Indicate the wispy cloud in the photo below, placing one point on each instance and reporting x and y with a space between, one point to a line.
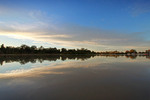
140 7
38 26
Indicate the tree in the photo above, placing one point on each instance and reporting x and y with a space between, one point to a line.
132 51
23 46
127 52
33 49
2 48
63 50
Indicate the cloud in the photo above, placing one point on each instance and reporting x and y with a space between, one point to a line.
38 26
140 7
75 36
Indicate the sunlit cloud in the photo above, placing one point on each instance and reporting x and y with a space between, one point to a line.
39 27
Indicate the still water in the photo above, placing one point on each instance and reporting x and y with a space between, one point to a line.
74 78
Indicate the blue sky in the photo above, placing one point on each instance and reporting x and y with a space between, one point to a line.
94 24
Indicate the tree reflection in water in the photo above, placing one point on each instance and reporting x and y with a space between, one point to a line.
24 59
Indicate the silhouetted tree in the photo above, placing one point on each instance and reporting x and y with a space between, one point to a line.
25 49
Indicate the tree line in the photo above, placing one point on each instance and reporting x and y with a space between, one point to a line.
127 52
132 51
25 49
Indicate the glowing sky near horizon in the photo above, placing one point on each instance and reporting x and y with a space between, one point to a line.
94 24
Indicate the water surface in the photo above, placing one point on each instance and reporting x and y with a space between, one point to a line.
72 77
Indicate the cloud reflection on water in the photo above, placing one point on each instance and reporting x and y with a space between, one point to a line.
96 78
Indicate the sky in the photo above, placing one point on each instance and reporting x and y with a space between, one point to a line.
99 25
